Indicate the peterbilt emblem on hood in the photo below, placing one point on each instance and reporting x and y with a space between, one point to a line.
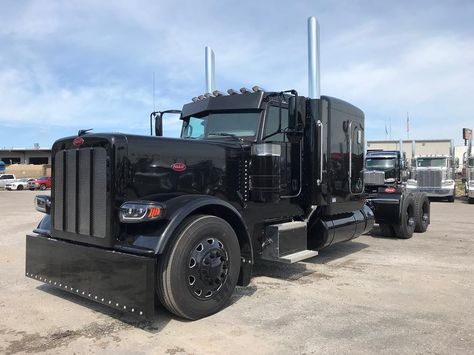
78 141
178 167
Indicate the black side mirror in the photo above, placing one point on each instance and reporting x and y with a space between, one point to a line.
158 118
159 125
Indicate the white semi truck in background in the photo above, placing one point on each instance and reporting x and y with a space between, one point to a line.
432 168
434 174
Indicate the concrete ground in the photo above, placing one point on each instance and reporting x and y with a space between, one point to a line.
370 296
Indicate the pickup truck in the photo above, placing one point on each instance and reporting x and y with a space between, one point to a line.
41 183
19 184
6 179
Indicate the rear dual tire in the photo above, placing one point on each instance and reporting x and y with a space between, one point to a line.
197 274
407 222
406 227
422 208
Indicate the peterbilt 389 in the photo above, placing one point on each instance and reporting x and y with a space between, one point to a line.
254 175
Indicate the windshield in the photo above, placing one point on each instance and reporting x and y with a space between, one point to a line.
431 162
219 124
381 164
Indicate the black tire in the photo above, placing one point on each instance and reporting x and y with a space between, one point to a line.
422 212
32 189
451 198
19 187
42 187
470 200
386 230
406 227
200 290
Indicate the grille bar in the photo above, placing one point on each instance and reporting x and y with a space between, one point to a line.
429 178
80 196
374 178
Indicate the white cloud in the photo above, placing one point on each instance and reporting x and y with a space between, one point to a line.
90 63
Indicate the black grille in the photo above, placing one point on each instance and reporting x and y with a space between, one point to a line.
80 191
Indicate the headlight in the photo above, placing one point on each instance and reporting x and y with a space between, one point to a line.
447 182
140 211
411 183
43 203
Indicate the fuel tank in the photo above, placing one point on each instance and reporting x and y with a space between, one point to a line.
331 230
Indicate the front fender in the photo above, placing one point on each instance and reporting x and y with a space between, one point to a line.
179 208
44 226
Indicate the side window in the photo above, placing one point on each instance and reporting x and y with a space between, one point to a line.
194 129
272 120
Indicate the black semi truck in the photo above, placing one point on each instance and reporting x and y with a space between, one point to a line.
398 212
255 175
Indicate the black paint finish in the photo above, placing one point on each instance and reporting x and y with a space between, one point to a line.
91 249
122 281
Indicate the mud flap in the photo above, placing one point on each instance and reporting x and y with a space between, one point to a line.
120 280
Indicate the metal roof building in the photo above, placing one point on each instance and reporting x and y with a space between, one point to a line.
37 156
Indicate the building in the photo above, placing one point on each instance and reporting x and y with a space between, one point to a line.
36 156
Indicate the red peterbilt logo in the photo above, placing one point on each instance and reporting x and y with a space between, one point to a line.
78 141
178 167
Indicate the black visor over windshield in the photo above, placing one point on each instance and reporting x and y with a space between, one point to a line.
219 124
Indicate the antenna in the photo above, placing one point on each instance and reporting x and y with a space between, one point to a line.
314 82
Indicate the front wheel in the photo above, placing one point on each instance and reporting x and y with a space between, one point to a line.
42 187
198 273
20 187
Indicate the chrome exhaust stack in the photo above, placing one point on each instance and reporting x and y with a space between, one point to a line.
210 70
314 81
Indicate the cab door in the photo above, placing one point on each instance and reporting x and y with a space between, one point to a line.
290 161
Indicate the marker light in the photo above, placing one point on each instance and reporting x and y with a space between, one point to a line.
390 190
140 211
232 92
257 88
245 91
217 93
201 97
195 99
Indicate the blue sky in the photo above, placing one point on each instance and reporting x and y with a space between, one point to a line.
67 65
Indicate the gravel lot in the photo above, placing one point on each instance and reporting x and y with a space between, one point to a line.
372 295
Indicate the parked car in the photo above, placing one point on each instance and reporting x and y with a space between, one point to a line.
6 179
18 184
41 183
